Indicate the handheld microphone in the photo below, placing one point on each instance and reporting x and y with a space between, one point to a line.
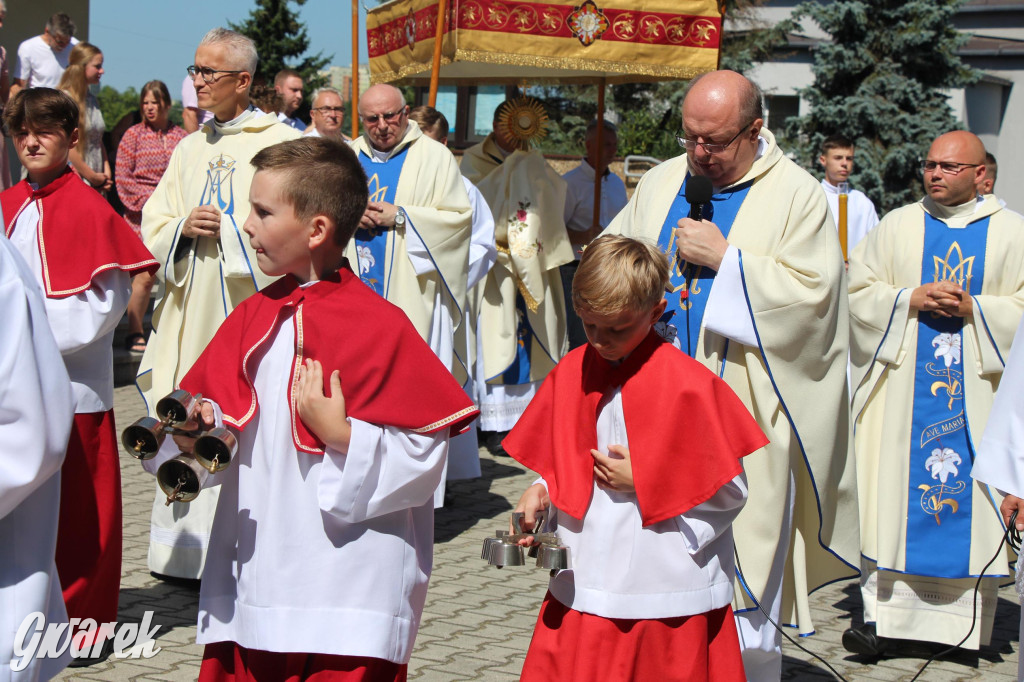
698 194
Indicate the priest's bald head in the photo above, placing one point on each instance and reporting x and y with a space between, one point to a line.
953 168
722 116
385 116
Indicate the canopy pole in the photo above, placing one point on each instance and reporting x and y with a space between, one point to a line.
595 226
435 71
355 69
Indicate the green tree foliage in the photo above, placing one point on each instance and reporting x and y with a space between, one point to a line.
281 42
115 104
882 81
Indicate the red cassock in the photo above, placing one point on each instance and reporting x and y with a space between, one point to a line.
687 432
80 237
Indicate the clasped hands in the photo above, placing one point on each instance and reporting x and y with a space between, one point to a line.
203 221
613 471
945 299
378 214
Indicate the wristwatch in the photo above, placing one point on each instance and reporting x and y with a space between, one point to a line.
400 218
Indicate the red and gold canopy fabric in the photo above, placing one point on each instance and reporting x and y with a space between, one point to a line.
511 41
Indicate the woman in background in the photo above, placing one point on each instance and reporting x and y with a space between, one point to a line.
142 157
5 91
89 157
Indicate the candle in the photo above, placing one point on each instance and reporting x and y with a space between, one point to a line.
844 190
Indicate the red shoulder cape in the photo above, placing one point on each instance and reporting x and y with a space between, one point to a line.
388 374
687 429
79 236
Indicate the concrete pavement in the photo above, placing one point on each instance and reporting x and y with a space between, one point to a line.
478 620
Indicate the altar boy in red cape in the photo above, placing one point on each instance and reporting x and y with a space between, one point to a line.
84 256
322 543
644 488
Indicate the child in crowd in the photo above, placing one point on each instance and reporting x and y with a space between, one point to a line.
638 447
322 544
83 255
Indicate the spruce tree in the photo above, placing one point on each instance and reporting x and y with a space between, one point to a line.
281 42
883 82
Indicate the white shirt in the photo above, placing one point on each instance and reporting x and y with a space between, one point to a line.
83 324
37 409
677 567
483 252
319 554
579 199
39 65
289 121
860 213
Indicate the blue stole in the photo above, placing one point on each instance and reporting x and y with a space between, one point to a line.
372 245
941 452
519 371
691 284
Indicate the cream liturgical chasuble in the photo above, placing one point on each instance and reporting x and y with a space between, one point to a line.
522 315
479 160
203 280
786 362
924 388
422 266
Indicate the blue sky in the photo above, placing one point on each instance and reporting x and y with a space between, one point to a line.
143 40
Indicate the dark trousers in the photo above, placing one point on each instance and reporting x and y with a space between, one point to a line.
573 323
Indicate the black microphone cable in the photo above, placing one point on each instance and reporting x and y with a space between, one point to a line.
1011 536
792 641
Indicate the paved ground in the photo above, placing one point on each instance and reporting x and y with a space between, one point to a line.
478 620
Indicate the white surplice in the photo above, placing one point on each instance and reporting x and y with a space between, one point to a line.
319 554
83 324
677 567
36 411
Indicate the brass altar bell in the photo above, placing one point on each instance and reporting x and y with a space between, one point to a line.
504 550
181 478
143 439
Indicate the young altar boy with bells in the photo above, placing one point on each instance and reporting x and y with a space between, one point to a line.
84 255
322 544
638 447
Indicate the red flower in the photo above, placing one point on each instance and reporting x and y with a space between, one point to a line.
521 215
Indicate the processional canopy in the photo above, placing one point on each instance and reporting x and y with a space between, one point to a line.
544 41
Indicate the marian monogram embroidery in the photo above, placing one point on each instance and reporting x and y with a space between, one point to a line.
219 190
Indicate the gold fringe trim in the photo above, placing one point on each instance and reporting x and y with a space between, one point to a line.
577 64
619 70
531 302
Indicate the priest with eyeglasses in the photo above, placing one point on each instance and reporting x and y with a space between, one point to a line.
759 297
193 225
936 293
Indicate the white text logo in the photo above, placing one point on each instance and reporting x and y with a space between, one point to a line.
38 639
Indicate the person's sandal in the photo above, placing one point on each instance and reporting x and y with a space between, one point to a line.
135 343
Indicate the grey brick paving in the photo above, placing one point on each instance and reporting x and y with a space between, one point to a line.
478 620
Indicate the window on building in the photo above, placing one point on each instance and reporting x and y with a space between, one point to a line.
779 109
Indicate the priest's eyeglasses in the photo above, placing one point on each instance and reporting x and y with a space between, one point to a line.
388 116
329 110
710 147
947 167
207 73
